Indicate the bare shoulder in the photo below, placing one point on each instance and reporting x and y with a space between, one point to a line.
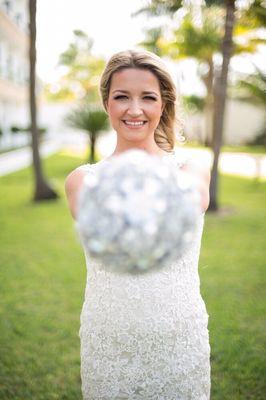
74 179
73 184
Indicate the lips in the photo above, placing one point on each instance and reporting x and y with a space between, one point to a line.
134 124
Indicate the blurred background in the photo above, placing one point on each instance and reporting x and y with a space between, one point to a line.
52 120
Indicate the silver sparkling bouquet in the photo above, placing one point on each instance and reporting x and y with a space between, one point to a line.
136 213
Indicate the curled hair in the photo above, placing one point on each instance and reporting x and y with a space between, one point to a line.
164 134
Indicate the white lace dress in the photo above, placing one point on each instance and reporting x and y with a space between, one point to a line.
145 337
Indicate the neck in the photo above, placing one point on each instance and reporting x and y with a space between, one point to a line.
151 148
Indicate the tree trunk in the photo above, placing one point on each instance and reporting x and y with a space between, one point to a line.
208 109
219 101
42 189
92 148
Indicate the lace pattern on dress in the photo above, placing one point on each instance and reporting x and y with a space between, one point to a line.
145 337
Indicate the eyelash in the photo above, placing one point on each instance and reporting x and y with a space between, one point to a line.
124 97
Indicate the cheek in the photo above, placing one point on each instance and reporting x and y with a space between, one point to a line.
155 111
115 110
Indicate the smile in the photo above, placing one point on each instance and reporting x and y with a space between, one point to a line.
135 124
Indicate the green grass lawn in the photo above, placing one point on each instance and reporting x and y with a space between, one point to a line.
42 281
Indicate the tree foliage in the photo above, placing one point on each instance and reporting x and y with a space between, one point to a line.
160 7
203 42
254 88
91 119
83 70
88 118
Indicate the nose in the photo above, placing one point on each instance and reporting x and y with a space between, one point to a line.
134 109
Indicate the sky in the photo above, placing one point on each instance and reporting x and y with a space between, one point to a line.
112 27
108 22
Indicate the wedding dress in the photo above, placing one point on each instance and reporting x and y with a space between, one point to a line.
145 336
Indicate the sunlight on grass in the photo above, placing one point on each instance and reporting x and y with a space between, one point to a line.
74 152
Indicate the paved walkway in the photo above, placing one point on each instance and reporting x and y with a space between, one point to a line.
243 164
22 158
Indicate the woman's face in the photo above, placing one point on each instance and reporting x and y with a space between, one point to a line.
134 104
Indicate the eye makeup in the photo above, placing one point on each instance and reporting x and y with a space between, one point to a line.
145 97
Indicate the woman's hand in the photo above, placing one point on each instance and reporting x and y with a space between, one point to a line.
199 176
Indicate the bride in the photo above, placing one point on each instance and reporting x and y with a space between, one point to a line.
144 337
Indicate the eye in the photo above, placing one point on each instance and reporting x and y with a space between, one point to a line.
120 97
150 98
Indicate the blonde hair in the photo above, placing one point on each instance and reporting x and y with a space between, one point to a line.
165 132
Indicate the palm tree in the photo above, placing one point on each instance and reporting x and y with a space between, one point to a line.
153 41
159 7
256 13
43 190
90 119
254 88
220 99
191 41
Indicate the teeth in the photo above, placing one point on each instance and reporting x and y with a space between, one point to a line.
134 123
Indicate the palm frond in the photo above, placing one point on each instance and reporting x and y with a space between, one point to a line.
88 118
160 7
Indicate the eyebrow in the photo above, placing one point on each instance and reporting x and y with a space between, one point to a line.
144 92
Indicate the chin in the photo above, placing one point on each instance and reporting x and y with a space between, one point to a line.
135 136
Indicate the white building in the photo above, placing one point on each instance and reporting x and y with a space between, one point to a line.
14 72
243 122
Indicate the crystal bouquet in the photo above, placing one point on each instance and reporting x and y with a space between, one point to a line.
136 214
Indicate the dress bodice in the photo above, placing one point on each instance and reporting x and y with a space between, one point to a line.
145 336
177 283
